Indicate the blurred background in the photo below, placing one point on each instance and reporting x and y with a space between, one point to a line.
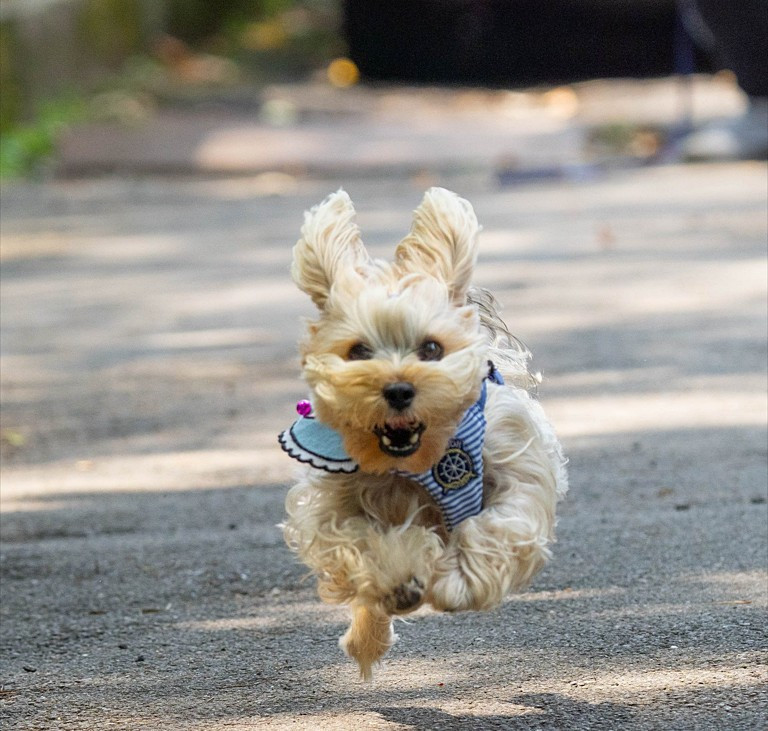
157 157
71 62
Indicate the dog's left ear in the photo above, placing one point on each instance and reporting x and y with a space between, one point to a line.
442 241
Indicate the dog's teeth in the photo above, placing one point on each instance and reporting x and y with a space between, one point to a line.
414 437
386 439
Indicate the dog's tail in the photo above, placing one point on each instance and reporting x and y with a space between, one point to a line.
509 354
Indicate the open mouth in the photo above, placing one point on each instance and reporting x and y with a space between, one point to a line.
400 441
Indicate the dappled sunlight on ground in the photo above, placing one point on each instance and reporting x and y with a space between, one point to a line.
621 686
151 472
615 413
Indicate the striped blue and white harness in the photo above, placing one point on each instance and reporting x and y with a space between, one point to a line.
455 482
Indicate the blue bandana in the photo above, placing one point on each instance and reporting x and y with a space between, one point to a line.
455 482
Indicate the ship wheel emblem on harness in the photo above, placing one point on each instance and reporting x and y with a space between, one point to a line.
454 470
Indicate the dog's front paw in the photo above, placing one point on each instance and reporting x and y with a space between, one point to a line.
461 582
450 590
405 597
450 593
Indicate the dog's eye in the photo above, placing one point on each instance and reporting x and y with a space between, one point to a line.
360 351
430 350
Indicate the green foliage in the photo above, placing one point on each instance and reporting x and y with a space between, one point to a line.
24 149
124 74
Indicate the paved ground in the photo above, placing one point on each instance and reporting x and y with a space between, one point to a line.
148 361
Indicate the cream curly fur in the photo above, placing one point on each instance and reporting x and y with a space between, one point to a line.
375 539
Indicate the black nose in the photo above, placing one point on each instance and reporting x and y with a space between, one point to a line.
399 395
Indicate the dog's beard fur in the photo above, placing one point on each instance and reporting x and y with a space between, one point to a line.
375 538
393 314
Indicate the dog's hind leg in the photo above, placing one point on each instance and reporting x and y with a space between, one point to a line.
368 638
379 570
383 575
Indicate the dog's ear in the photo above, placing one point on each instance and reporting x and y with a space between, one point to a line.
330 241
442 241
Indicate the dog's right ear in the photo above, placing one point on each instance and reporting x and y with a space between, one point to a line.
330 241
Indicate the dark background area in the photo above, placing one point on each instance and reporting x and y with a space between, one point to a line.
518 42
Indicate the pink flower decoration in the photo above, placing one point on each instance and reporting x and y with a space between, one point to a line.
304 408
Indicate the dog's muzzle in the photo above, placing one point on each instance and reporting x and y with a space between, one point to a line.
400 441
